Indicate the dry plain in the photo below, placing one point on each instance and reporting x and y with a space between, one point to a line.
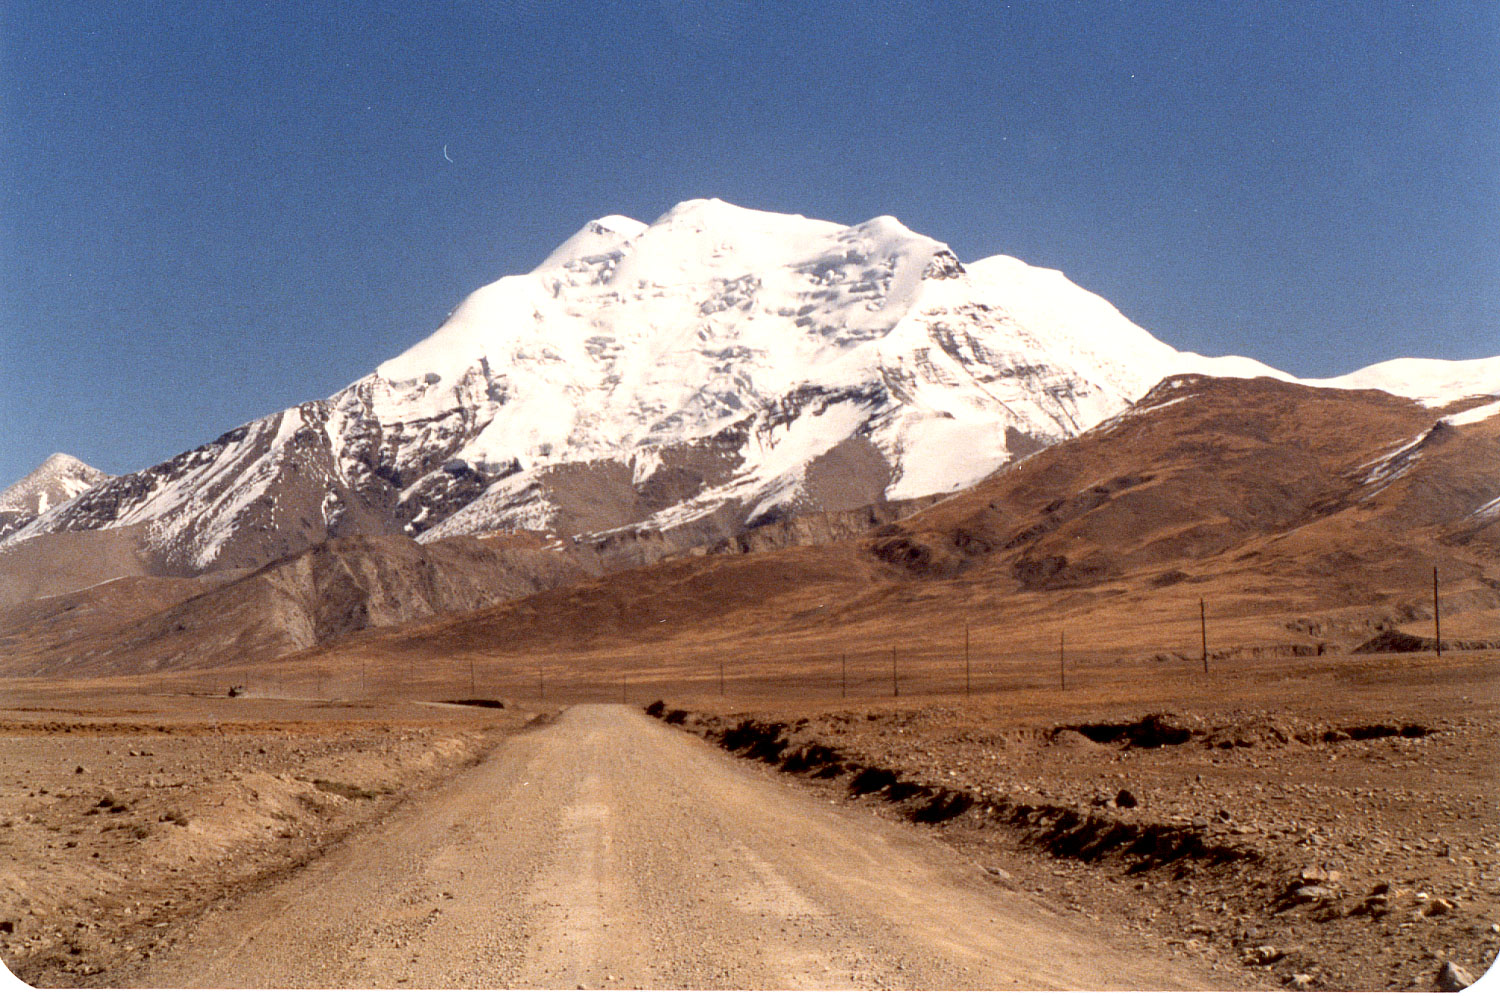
448 845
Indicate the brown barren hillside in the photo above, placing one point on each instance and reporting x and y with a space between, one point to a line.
332 590
335 588
1308 520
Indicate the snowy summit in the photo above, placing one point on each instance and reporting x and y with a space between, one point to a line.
59 479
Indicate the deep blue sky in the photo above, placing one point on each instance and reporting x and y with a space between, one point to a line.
212 211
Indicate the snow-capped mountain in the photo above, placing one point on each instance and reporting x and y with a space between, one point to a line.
59 479
718 368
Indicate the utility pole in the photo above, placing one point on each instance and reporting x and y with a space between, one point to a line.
966 660
1203 629
1437 618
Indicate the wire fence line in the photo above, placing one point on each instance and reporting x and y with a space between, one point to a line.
896 672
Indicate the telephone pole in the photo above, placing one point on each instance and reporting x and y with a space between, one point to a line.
1437 618
1203 629
966 660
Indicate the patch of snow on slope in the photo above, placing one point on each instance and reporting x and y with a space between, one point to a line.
1133 412
514 502
1392 466
780 457
939 454
1473 416
1432 382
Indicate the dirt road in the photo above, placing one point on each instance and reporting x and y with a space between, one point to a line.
605 850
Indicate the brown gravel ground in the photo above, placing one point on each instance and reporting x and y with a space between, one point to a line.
122 816
1327 825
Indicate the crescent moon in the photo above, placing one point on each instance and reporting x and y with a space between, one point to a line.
445 154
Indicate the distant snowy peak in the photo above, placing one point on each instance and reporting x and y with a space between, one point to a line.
59 479
1434 383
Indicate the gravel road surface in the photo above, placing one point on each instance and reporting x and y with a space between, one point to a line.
605 850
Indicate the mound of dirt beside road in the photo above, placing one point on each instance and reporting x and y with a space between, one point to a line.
1347 847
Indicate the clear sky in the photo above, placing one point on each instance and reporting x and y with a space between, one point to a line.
211 211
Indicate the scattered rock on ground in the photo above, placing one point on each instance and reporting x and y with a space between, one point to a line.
1453 977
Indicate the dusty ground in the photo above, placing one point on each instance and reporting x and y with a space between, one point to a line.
124 816
607 851
1368 781
1328 824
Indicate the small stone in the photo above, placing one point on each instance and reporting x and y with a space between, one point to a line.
1439 907
1453 977
79 770
1313 894
1126 799
1300 982
1263 955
